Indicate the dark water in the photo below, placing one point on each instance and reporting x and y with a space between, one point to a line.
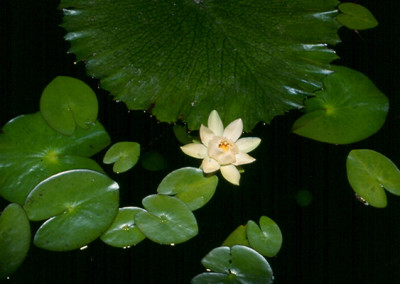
336 239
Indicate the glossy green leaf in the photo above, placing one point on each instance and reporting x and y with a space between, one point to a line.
268 239
31 151
67 102
348 109
168 220
153 161
123 232
250 59
356 17
237 237
79 205
15 239
369 173
239 264
124 154
189 185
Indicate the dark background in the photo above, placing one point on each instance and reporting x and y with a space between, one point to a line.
336 239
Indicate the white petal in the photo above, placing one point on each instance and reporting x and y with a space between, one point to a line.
215 123
248 144
209 165
243 158
231 174
195 150
206 135
234 130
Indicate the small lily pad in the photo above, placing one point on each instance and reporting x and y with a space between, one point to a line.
239 264
189 185
356 17
79 205
67 102
348 109
369 173
123 232
168 220
15 239
237 237
153 161
124 154
268 239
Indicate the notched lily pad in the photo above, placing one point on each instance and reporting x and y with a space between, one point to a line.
31 151
237 237
348 109
168 220
124 154
123 232
67 102
268 239
15 239
79 205
356 17
189 185
369 173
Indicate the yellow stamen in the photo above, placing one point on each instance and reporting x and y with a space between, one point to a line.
224 145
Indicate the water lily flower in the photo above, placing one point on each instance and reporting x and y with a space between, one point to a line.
221 149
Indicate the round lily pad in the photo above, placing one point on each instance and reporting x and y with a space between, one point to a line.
168 220
356 17
268 239
123 232
239 264
67 102
237 237
124 154
79 205
369 173
31 151
189 185
15 239
348 109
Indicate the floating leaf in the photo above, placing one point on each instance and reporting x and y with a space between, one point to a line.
250 59
124 154
348 109
79 205
153 161
15 239
168 220
237 237
67 102
356 17
123 232
268 239
189 185
369 172
238 264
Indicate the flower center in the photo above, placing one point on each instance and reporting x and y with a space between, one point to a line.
224 145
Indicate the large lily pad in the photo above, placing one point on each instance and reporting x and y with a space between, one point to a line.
79 205
250 59
369 173
31 151
348 109
15 239
189 185
238 264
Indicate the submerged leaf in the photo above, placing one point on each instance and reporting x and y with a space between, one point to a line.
250 59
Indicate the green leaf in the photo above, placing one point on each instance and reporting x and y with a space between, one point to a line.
356 17
123 232
239 264
15 239
124 154
153 161
181 134
67 102
189 185
348 109
250 59
168 220
304 197
369 172
268 239
31 151
237 237
79 205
